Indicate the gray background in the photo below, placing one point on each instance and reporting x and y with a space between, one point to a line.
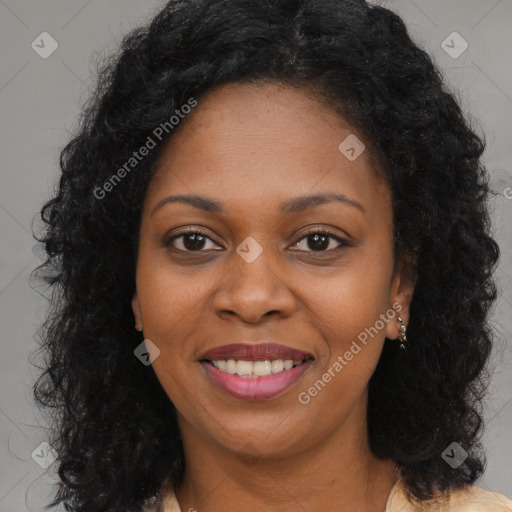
40 100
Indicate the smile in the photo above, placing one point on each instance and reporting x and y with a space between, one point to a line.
254 387
254 369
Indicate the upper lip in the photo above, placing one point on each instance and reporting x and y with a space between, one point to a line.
254 352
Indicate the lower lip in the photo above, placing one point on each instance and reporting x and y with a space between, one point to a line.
256 388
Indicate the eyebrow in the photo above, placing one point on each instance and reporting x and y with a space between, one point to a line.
295 205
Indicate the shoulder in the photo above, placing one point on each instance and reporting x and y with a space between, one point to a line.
475 499
163 502
469 499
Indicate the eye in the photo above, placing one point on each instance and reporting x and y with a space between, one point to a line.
317 240
320 240
190 241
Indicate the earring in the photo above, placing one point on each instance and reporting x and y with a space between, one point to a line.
403 334
140 330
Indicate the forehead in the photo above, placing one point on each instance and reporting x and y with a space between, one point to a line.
262 144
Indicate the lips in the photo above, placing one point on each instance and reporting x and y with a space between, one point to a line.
255 372
260 352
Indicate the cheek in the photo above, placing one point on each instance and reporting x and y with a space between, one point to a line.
353 349
347 309
171 312
170 300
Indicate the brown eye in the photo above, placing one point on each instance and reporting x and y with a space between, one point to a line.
319 241
189 241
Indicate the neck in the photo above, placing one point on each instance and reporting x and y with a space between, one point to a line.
337 473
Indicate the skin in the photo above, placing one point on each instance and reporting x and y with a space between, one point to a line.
250 147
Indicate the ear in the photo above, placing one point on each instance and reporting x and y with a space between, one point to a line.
402 290
136 311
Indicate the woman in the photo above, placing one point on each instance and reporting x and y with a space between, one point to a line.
291 209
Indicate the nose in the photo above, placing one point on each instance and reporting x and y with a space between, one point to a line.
252 291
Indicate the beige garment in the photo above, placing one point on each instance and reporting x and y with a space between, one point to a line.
473 499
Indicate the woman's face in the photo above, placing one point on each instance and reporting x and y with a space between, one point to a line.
255 277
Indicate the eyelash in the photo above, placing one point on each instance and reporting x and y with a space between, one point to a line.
321 231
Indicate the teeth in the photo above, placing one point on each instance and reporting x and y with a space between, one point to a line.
277 366
254 368
231 366
261 368
244 368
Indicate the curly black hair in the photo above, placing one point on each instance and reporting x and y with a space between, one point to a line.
114 427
